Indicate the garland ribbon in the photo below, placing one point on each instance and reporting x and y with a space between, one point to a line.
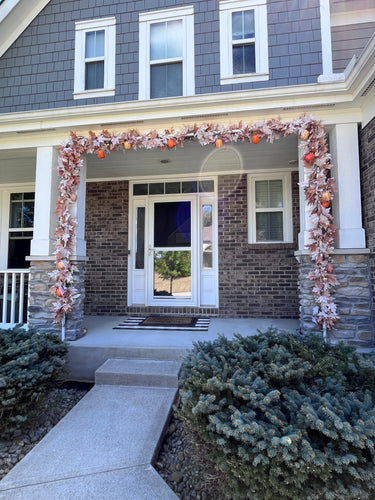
319 189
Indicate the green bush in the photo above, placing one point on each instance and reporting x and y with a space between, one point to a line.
29 362
287 416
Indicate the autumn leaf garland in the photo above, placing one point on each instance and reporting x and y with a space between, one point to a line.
312 140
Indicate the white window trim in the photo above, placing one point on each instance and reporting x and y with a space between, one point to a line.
82 27
226 8
186 14
285 177
5 193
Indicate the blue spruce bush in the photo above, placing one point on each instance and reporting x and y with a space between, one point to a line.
286 416
29 362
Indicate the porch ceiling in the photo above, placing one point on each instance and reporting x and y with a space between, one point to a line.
18 165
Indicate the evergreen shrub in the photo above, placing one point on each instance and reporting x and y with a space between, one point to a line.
287 416
29 362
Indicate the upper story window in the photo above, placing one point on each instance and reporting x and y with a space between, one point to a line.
95 54
270 208
243 41
166 53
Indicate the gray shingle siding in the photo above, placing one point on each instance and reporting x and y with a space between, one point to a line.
37 71
348 41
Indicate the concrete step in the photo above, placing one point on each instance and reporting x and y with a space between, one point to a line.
138 372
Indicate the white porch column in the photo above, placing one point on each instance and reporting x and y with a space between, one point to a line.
343 143
45 220
325 27
305 211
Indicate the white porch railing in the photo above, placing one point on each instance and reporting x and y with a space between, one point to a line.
13 297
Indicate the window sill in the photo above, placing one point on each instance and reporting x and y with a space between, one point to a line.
87 94
251 77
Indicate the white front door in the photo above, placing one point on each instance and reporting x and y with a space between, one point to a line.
171 254
173 247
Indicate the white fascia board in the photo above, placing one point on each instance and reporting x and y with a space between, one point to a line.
15 17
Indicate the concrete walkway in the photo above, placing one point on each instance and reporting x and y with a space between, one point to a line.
104 447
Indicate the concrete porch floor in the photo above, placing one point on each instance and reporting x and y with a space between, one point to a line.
102 342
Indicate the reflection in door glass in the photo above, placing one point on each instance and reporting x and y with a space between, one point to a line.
172 224
172 274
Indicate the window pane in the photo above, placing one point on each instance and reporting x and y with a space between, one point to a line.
207 237
243 25
21 214
172 224
189 187
269 226
166 40
140 240
269 194
140 189
243 59
94 78
94 44
172 187
156 188
166 80
206 186
172 274
18 249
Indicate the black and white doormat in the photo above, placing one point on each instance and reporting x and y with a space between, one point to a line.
180 323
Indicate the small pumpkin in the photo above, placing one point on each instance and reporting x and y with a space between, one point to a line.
309 157
127 145
219 143
304 135
73 197
61 265
326 204
255 139
326 196
101 154
170 143
59 292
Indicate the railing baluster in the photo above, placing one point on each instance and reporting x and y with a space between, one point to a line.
20 308
11 292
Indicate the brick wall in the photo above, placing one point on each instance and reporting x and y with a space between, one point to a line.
254 280
257 281
367 165
107 247
37 71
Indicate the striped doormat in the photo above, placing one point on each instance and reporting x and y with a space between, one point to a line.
163 323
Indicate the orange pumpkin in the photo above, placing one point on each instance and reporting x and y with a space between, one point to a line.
170 143
60 265
73 197
101 154
309 157
219 143
326 204
304 135
256 139
59 292
127 145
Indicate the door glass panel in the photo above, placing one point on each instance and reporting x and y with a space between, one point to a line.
140 239
172 273
207 237
172 224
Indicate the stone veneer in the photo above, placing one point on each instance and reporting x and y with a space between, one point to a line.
41 300
353 297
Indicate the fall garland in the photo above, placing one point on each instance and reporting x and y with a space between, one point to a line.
319 189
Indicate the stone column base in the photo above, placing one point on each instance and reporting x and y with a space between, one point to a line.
41 300
353 297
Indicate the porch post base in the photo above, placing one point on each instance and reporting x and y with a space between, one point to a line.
40 315
353 297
